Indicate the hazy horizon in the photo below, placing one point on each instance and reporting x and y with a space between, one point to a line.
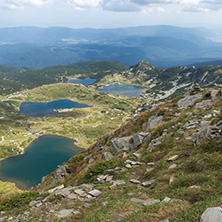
110 13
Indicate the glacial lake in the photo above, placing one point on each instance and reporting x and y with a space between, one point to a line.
38 109
40 159
125 90
84 82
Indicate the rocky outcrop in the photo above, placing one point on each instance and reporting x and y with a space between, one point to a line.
140 138
152 122
119 143
213 214
188 101
204 104
209 132
61 173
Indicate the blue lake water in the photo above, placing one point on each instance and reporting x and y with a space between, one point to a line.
84 82
125 90
38 109
40 159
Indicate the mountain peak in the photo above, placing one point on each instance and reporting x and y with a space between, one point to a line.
142 66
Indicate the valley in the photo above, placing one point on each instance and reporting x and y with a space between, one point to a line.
129 140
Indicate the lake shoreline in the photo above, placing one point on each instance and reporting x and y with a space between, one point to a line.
19 183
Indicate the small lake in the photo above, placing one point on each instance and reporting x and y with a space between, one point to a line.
125 90
84 82
40 159
38 109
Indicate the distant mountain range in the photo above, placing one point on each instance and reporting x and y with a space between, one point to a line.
163 46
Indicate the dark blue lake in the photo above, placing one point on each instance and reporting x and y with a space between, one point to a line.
84 82
40 159
38 109
125 90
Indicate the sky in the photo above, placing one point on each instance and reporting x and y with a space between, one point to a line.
110 13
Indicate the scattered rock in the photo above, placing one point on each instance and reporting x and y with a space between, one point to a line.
166 220
136 200
172 166
195 187
33 203
72 196
128 166
135 181
109 178
119 217
137 155
64 213
117 183
213 214
86 205
56 188
166 200
151 202
173 158
148 183
149 169
150 164
95 193
81 193
153 144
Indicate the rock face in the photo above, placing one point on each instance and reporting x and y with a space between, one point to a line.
188 101
61 173
152 122
119 143
213 214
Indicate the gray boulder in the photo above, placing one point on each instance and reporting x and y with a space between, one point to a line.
106 156
140 138
119 143
188 101
64 213
151 201
152 122
214 94
213 214
204 104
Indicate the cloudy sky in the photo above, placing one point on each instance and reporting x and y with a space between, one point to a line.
110 13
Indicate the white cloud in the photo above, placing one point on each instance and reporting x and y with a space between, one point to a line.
83 4
120 5
123 5
24 3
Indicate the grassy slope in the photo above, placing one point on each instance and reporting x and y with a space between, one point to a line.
202 167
